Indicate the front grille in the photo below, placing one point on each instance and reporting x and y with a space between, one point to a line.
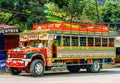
15 54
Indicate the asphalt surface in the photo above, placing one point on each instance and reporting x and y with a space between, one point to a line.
105 76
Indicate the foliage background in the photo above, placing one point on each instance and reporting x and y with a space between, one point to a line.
24 13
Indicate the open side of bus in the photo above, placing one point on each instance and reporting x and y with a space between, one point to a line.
77 52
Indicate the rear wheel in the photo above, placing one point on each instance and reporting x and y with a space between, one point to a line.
94 68
14 71
37 68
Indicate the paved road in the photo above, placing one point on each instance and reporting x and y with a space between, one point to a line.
105 76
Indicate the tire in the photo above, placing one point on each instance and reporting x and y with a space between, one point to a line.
94 68
14 71
37 68
73 69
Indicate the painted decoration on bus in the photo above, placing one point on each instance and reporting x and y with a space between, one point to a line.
50 42
33 37
117 44
26 37
43 36
23 37
86 52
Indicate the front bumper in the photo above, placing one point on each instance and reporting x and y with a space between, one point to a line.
21 63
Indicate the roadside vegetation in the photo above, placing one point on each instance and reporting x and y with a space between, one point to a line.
24 14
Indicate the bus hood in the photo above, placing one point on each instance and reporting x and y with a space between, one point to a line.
26 50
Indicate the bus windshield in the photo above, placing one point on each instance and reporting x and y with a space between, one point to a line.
42 43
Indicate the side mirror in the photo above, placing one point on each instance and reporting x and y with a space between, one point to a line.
55 37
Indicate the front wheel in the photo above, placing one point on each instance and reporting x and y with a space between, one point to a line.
94 68
37 68
14 71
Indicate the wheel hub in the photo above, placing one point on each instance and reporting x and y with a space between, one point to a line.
96 66
38 68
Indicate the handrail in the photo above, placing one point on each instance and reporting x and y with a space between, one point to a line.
72 26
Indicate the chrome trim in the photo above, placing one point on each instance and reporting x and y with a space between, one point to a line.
10 59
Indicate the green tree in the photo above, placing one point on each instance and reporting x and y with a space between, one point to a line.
23 12
60 3
75 10
111 12
4 17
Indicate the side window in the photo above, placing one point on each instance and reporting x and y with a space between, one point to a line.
118 50
82 41
74 41
104 42
90 41
97 41
66 41
58 40
111 42
34 44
